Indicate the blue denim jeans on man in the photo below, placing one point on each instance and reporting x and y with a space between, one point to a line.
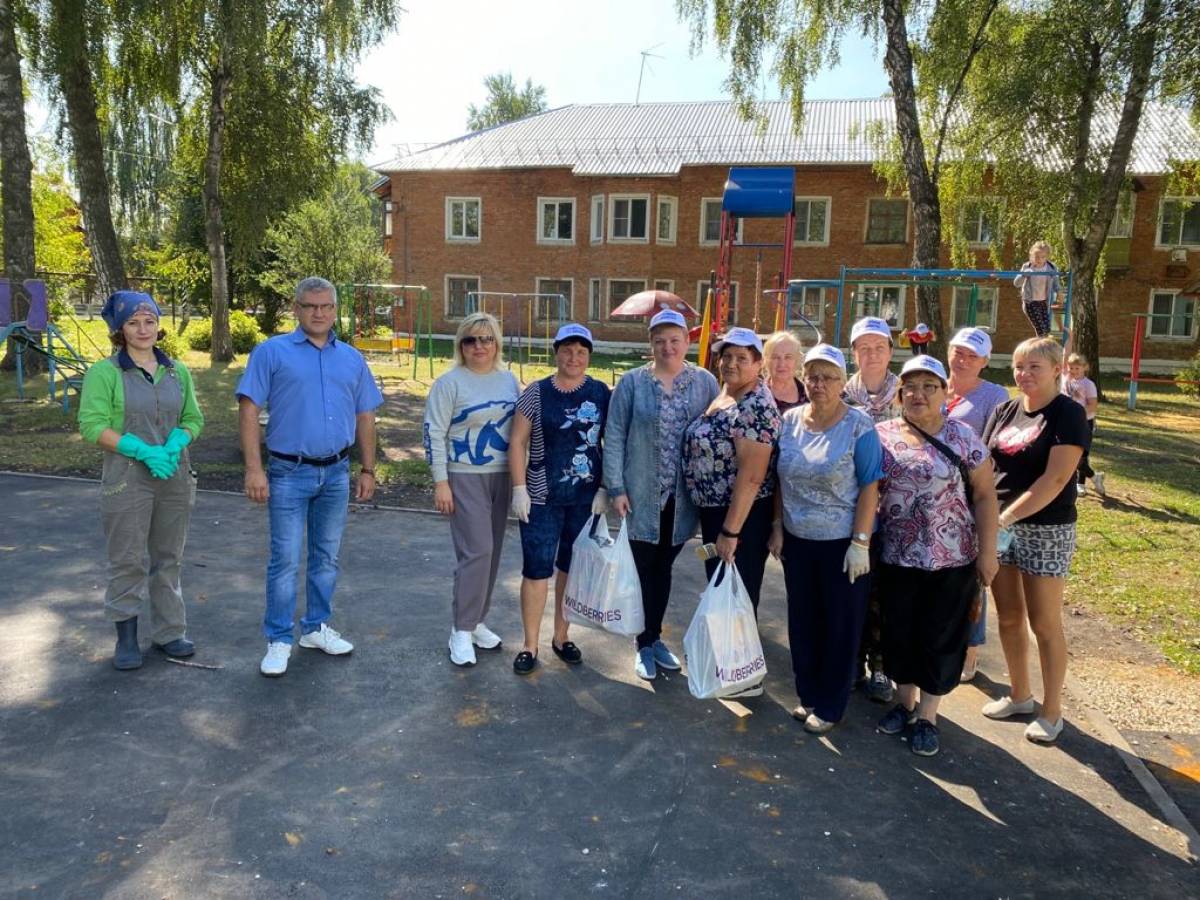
316 497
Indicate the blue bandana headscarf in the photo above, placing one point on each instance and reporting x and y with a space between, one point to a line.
123 304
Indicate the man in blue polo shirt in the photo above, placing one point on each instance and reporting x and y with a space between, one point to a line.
322 399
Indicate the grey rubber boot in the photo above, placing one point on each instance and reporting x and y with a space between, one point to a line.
127 654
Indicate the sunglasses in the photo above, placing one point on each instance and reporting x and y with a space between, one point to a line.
485 340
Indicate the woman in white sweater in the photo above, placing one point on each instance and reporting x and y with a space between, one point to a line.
467 421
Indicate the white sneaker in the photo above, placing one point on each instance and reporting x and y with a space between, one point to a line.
1098 484
814 724
275 662
326 639
484 638
1043 731
1006 706
462 651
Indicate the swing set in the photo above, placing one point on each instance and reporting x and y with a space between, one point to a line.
405 309
537 316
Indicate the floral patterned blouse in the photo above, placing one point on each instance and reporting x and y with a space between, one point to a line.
710 451
673 417
923 512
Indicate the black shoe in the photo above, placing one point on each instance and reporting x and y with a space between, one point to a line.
896 719
568 653
180 648
525 663
127 654
879 688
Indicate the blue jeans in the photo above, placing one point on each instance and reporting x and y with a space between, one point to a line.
316 496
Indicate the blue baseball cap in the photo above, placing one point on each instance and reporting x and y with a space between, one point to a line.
573 330
738 337
668 317
870 325
826 353
925 363
123 304
974 339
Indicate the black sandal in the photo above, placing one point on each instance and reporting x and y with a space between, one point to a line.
525 663
568 653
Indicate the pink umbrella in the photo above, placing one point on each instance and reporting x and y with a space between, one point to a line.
647 303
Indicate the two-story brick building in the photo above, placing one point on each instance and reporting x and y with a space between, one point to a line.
597 202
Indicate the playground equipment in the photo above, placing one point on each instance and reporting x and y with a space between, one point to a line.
1135 366
528 311
750 193
26 335
404 308
941 278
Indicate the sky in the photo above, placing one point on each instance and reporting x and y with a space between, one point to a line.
433 67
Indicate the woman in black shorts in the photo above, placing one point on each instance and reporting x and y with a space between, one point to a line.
1035 441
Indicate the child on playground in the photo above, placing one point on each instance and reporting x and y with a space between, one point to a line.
1040 293
1083 391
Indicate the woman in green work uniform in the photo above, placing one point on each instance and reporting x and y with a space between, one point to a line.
140 407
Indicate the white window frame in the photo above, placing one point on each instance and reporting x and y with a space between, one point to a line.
819 321
454 239
1126 228
902 302
1177 338
1162 204
596 219
613 200
673 231
704 241
537 289
669 282
608 306
981 205
388 210
595 292
446 293
824 242
736 296
989 326
555 241
907 222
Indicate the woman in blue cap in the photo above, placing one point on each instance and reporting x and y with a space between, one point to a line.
139 406
554 459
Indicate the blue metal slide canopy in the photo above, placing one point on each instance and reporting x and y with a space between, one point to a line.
758 193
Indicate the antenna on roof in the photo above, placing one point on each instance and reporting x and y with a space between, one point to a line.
646 54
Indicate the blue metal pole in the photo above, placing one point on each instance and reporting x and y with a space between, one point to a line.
1067 308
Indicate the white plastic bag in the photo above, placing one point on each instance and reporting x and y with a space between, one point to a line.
603 590
724 652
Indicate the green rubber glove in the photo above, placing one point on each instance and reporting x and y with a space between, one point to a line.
176 441
156 459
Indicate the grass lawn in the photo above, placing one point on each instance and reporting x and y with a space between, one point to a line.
1136 563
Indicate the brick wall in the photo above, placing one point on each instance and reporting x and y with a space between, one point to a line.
509 258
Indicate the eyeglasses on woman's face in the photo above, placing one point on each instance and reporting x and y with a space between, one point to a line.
928 388
484 340
817 378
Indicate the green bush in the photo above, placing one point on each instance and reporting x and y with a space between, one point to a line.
242 328
1190 372
172 344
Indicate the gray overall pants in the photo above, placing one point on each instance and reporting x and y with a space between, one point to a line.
145 518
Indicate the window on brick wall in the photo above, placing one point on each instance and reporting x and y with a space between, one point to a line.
887 221
621 289
810 303
550 308
463 218
710 221
1179 222
883 300
702 294
812 220
1122 223
629 218
980 221
664 284
985 307
458 289
595 299
666 224
388 211
556 220
597 218
1172 316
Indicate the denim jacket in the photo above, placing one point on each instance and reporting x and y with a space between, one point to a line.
631 443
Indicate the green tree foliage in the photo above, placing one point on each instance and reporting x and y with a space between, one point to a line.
506 102
334 234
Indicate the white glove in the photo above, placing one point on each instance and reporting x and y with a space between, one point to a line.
600 503
857 562
520 502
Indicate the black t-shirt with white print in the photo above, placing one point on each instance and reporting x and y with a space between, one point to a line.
1020 443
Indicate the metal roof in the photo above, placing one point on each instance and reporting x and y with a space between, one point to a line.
659 138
